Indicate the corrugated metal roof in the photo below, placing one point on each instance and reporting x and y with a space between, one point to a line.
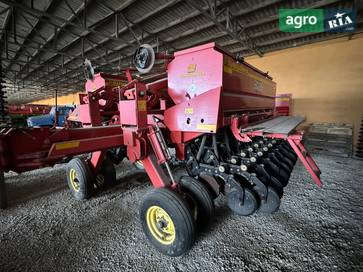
52 41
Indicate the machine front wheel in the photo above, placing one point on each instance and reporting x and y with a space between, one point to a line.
167 222
106 177
79 178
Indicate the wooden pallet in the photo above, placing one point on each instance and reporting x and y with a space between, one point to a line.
331 139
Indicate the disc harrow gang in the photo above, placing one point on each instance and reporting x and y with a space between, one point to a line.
260 169
204 129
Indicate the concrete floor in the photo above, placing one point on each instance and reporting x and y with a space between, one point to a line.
315 229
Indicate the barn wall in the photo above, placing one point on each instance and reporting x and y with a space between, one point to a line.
326 79
62 100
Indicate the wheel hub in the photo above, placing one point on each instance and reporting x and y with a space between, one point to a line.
160 225
74 180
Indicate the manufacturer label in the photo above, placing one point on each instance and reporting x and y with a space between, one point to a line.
208 127
114 83
192 71
192 67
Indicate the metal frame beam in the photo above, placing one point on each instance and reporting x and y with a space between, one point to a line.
232 25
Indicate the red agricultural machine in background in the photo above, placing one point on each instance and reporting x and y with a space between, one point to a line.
19 114
283 104
28 109
16 115
204 128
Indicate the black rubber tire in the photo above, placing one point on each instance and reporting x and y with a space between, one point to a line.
179 212
106 176
84 179
181 171
203 200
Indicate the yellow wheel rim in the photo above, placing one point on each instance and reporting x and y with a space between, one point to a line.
73 179
160 225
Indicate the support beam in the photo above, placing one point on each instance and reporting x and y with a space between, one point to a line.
130 43
53 19
85 14
179 21
116 24
232 25
79 36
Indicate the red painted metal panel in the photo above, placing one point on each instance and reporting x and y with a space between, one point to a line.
199 114
127 109
194 72
85 145
307 160
27 149
80 114
155 172
233 102
283 104
106 84
245 88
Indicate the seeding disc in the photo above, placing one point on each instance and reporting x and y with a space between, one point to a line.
287 153
242 203
272 203
275 184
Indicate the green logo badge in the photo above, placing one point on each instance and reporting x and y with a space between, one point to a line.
301 20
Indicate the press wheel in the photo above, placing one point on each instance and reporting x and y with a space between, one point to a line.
202 200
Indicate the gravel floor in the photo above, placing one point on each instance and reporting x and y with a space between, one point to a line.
315 229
